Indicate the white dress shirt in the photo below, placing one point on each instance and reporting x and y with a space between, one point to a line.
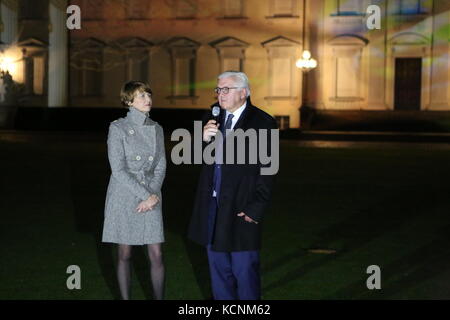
237 114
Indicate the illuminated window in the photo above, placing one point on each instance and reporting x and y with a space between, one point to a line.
35 54
350 7
185 9
348 75
282 53
183 76
137 66
38 75
91 74
9 17
346 71
33 10
138 9
183 53
283 8
86 63
282 122
34 75
92 9
232 64
136 58
231 53
411 7
233 8
281 76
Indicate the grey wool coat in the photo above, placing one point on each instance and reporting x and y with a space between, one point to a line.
138 166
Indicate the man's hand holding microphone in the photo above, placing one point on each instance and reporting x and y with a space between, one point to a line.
211 128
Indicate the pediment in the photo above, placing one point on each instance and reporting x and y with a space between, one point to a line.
280 41
348 40
182 42
409 38
92 43
228 42
33 43
136 42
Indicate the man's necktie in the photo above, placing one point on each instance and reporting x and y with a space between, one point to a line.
219 154
228 123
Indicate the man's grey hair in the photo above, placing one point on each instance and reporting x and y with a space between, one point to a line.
240 79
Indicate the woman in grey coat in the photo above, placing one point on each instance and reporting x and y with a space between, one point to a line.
133 201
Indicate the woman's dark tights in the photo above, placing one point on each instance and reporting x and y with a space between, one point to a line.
157 271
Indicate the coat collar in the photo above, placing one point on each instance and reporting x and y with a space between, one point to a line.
139 117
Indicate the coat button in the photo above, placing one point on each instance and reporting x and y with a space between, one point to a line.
138 158
150 158
131 131
142 182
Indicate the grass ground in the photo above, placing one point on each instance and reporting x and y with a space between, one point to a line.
385 206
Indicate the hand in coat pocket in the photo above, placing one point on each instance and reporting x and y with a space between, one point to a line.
247 218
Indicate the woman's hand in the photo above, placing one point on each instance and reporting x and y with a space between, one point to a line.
148 204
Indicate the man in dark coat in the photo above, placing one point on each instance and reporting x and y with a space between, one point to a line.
232 197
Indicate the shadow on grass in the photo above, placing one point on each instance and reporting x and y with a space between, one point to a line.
384 215
88 212
199 261
178 192
89 220
425 263
181 185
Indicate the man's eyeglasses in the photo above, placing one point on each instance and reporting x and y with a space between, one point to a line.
224 90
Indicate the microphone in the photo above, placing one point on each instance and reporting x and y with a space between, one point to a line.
215 111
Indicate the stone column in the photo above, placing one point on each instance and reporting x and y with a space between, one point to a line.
440 76
316 14
377 62
9 16
58 63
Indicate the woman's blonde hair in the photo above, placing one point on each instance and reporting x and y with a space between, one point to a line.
129 90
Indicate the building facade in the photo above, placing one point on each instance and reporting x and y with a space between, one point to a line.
180 46
404 65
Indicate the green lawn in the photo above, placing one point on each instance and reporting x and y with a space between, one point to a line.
385 206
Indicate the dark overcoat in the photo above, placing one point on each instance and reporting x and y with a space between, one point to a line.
243 189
